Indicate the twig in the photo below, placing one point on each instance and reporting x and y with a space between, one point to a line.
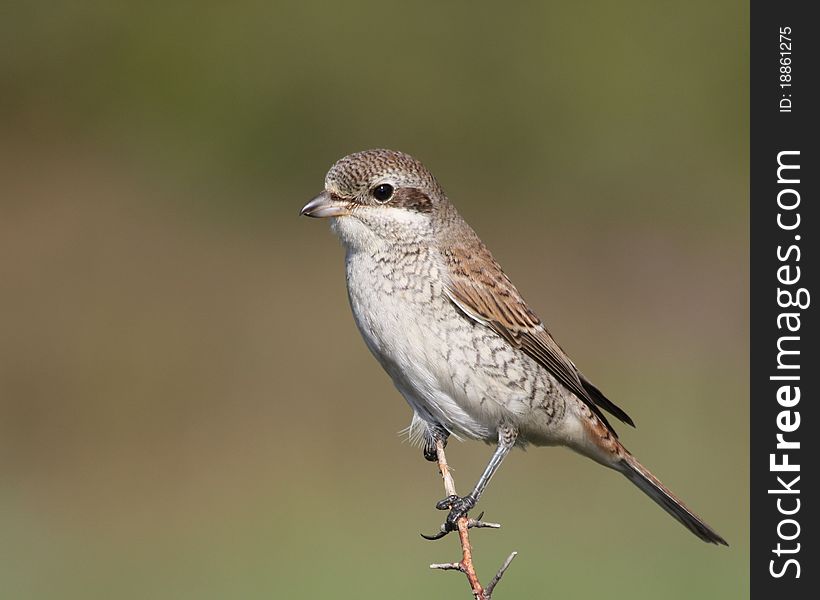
465 565
497 577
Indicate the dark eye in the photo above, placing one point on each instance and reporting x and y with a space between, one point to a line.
383 192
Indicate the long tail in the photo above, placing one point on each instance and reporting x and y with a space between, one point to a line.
649 485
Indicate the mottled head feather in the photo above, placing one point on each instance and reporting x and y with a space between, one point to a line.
355 173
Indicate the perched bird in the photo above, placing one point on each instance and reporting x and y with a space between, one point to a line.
460 343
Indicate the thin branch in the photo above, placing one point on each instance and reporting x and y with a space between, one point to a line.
497 577
465 565
447 566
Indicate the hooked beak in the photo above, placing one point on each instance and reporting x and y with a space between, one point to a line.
323 206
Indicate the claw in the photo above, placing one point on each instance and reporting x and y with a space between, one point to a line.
448 527
435 536
458 508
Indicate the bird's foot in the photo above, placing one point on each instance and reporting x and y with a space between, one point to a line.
458 507
430 441
430 450
470 524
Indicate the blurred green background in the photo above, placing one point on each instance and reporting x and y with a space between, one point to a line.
186 408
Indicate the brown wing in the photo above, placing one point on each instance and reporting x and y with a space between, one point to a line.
481 290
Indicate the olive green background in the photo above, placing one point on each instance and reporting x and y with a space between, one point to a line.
186 408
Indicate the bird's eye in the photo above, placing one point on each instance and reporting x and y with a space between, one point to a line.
383 192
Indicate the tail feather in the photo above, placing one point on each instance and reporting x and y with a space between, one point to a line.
652 487
604 402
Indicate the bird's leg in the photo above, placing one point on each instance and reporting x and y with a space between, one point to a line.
459 506
435 433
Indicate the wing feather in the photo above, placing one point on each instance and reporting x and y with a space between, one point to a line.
483 292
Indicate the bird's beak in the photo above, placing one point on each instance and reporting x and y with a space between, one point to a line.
323 206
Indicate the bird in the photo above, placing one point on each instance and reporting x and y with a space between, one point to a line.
462 346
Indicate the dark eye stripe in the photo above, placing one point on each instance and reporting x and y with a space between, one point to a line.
412 199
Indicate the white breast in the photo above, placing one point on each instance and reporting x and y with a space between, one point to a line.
403 314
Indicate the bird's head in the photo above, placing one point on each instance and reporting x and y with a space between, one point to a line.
379 194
